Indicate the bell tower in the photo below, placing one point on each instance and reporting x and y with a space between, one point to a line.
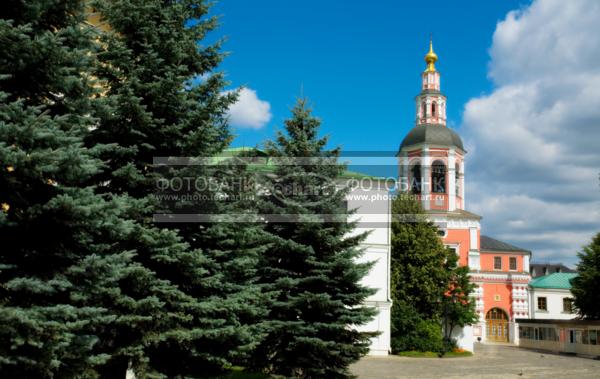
431 103
431 156
431 161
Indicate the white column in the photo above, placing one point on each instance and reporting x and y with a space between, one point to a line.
473 242
403 184
418 110
474 260
462 183
479 308
425 177
526 263
451 180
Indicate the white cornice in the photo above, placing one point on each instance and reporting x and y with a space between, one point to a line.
421 146
454 223
499 276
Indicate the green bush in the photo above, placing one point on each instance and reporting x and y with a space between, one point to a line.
449 344
428 336
411 332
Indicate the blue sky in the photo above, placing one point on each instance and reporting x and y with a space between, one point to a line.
359 62
522 80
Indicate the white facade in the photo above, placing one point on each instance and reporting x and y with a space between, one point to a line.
372 207
464 337
555 303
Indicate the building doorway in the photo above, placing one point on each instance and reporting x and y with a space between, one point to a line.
496 322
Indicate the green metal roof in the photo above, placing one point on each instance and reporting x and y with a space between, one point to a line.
559 280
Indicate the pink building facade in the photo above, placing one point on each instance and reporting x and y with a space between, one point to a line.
432 166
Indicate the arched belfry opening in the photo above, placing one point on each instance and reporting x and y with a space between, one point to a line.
438 177
457 179
415 177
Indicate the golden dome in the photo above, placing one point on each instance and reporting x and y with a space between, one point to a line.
430 58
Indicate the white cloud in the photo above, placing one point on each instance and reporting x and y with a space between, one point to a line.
249 111
548 38
534 142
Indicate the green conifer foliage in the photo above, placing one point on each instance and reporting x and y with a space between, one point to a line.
68 277
311 265
164 98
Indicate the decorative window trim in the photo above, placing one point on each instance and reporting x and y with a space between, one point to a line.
510 259
500 258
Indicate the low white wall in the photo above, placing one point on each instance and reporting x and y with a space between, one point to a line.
513 332
464 337
380 344
553 346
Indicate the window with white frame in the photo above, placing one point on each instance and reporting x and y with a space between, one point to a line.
512 263
497 263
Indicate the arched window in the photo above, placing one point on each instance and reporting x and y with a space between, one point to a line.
433 109
438 177
415 179
457 178
423 110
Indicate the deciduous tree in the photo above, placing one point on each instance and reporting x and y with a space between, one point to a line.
430 291
458 306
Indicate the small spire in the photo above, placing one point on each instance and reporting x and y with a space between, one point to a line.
431 57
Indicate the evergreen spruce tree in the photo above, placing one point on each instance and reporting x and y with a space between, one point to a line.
585 285
311 264
68 277
164 98
230 306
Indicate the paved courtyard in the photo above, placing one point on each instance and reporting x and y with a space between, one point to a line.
489 361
